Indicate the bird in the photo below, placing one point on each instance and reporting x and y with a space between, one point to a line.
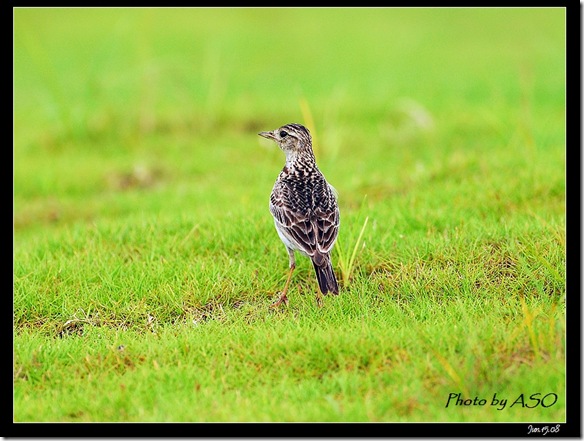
305 208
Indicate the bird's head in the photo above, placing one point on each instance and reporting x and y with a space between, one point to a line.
291 138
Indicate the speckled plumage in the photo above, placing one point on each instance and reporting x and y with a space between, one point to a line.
304 206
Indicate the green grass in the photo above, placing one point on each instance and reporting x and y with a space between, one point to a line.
145 257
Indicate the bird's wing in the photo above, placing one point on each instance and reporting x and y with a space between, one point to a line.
291 219
326 222
313 231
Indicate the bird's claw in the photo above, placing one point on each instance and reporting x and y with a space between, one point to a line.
319 300
283 299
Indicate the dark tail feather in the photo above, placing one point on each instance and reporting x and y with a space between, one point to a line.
327 282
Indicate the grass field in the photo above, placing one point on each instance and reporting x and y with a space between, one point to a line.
146 260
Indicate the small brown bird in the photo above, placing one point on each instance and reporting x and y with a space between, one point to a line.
304 206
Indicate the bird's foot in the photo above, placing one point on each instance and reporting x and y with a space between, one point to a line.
319 300
283 299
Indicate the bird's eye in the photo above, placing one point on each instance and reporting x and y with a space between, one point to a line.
283 134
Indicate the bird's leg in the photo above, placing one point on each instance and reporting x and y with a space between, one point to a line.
283 298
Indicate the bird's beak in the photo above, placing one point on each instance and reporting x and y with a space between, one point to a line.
268 135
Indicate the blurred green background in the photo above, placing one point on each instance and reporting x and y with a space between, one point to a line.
108 97
143 84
